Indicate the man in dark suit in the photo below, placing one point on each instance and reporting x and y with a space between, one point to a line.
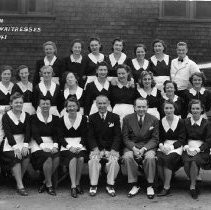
140 136
104 138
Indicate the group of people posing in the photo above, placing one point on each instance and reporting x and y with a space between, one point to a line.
111 111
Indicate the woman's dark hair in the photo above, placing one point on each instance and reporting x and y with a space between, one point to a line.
118 39
103 63
195 101
141 77
159 41
4 68
198 74
18 71
95 39
137 46
65 74
15 95
167 82
127 69
72 99
76 41
169 101
45 98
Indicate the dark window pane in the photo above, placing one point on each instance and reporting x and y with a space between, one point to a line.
9 5
203 9
40 6
174 8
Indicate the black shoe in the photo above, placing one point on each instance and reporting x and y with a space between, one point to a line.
110 190
42 188
74 192
93 190
79 189
164 192
194 193
50 191
22 192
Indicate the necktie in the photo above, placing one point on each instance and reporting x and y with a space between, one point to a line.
103 117
140 122
180 59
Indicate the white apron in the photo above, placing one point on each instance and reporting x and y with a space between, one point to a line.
73 142
160 80
19 139
47 143
171 142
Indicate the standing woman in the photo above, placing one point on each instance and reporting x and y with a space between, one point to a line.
160 63
76 62
198 143
117 57
73 127
50 59
44 144
5 92
100 86
47 88
123 94
24 87
15 155
72 89
198 91
139 63
172 138
146 89
93 58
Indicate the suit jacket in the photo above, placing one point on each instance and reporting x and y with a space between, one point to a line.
104 134
146 136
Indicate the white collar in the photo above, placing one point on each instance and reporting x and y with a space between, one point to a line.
165 58
78 92
114 61
6 90
96 60
137 65
99 86
121 86
174 123
193 92
105 114
77 122
23 87
142 118
73 60
198 122
47 63
144 94
41 118
44 89
166 98
15 119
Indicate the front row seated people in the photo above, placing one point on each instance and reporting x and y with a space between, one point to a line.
104 138
141 137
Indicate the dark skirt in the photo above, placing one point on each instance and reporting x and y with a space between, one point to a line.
39 157
172 161
9 160
66 156
201 158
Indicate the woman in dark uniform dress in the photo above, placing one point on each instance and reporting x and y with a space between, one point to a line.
44 144
93 58
100 86
75 62
5 92
199 92
117 57
15 155
73 133
198 142
170 88
172 138
160 63
146 89
123 93
47 88
24 87
50 59
139 63
72 89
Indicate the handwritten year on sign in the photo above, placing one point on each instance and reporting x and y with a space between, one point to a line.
6 30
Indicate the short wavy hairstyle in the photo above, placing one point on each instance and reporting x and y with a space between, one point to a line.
137 46
50 43
95 39
159 41
198 74
141 77
171 82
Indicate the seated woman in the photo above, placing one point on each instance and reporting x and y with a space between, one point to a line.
172 138
198 142
72 89
24 87
47 88
44 144
15 155
169 95
73 135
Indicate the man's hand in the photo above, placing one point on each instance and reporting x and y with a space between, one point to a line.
136 151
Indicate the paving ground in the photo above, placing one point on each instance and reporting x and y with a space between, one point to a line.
179 199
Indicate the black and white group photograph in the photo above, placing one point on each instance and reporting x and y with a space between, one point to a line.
105 104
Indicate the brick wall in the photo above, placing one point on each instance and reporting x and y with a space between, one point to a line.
133 20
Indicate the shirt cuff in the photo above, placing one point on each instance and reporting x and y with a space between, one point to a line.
185 147
198 150
26 145
42 146
145 148
55 145
68 146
